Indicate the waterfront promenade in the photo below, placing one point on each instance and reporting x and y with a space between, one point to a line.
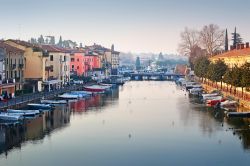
20 101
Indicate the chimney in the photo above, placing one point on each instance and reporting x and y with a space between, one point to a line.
238 46
247 44
242 46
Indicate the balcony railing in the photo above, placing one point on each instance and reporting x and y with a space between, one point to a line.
21 66
8 81
13 66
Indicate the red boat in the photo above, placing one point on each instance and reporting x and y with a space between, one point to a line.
94 88
214 102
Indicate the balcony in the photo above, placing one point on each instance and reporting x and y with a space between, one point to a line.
13 66
21 66
49 68
8 81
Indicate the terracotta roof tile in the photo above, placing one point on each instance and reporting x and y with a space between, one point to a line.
9 48
233 53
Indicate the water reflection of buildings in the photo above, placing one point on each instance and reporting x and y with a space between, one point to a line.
33 129
36 129
94 103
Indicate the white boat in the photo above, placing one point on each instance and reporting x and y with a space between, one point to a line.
195 91
53 101
24 112
213 98
39 106
95 88
83 92
210 94
80 94
228 103
69 96
10 117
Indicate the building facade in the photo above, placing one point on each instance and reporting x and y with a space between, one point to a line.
238 56
34 60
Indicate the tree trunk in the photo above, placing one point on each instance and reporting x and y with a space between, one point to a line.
242 88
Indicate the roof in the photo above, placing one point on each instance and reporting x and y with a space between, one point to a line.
180 69
23 43
9 48
115 52
233 53
50 48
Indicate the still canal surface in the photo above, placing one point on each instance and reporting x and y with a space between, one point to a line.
141 123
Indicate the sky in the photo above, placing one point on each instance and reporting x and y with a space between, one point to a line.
131 25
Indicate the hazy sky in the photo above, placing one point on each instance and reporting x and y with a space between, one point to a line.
132 25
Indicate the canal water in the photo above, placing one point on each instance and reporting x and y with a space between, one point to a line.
141 123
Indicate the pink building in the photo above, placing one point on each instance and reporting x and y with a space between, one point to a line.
84 63
92 62
77 64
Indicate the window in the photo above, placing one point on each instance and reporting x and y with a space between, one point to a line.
7 61
77 67
73 66
72 59
7 74
11 74
64 58
10 61
51 57
15 74
77 59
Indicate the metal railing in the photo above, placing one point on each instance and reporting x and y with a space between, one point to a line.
26 98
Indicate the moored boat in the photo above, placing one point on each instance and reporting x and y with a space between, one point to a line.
39 106
238 114
10 117
195 91
53 101
94 88
215 101
228 103
209 96
24 112
69 96
82 92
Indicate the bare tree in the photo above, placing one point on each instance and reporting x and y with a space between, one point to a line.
212 38
189 40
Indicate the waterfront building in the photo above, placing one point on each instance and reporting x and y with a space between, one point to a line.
77 62
236 56
57 67
109 58
34 59
11 69
92 62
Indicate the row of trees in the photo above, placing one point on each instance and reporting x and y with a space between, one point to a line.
219 72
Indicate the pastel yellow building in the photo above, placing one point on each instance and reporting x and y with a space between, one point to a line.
34 60
238 56
57 64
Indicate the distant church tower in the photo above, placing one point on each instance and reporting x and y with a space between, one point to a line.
112 48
